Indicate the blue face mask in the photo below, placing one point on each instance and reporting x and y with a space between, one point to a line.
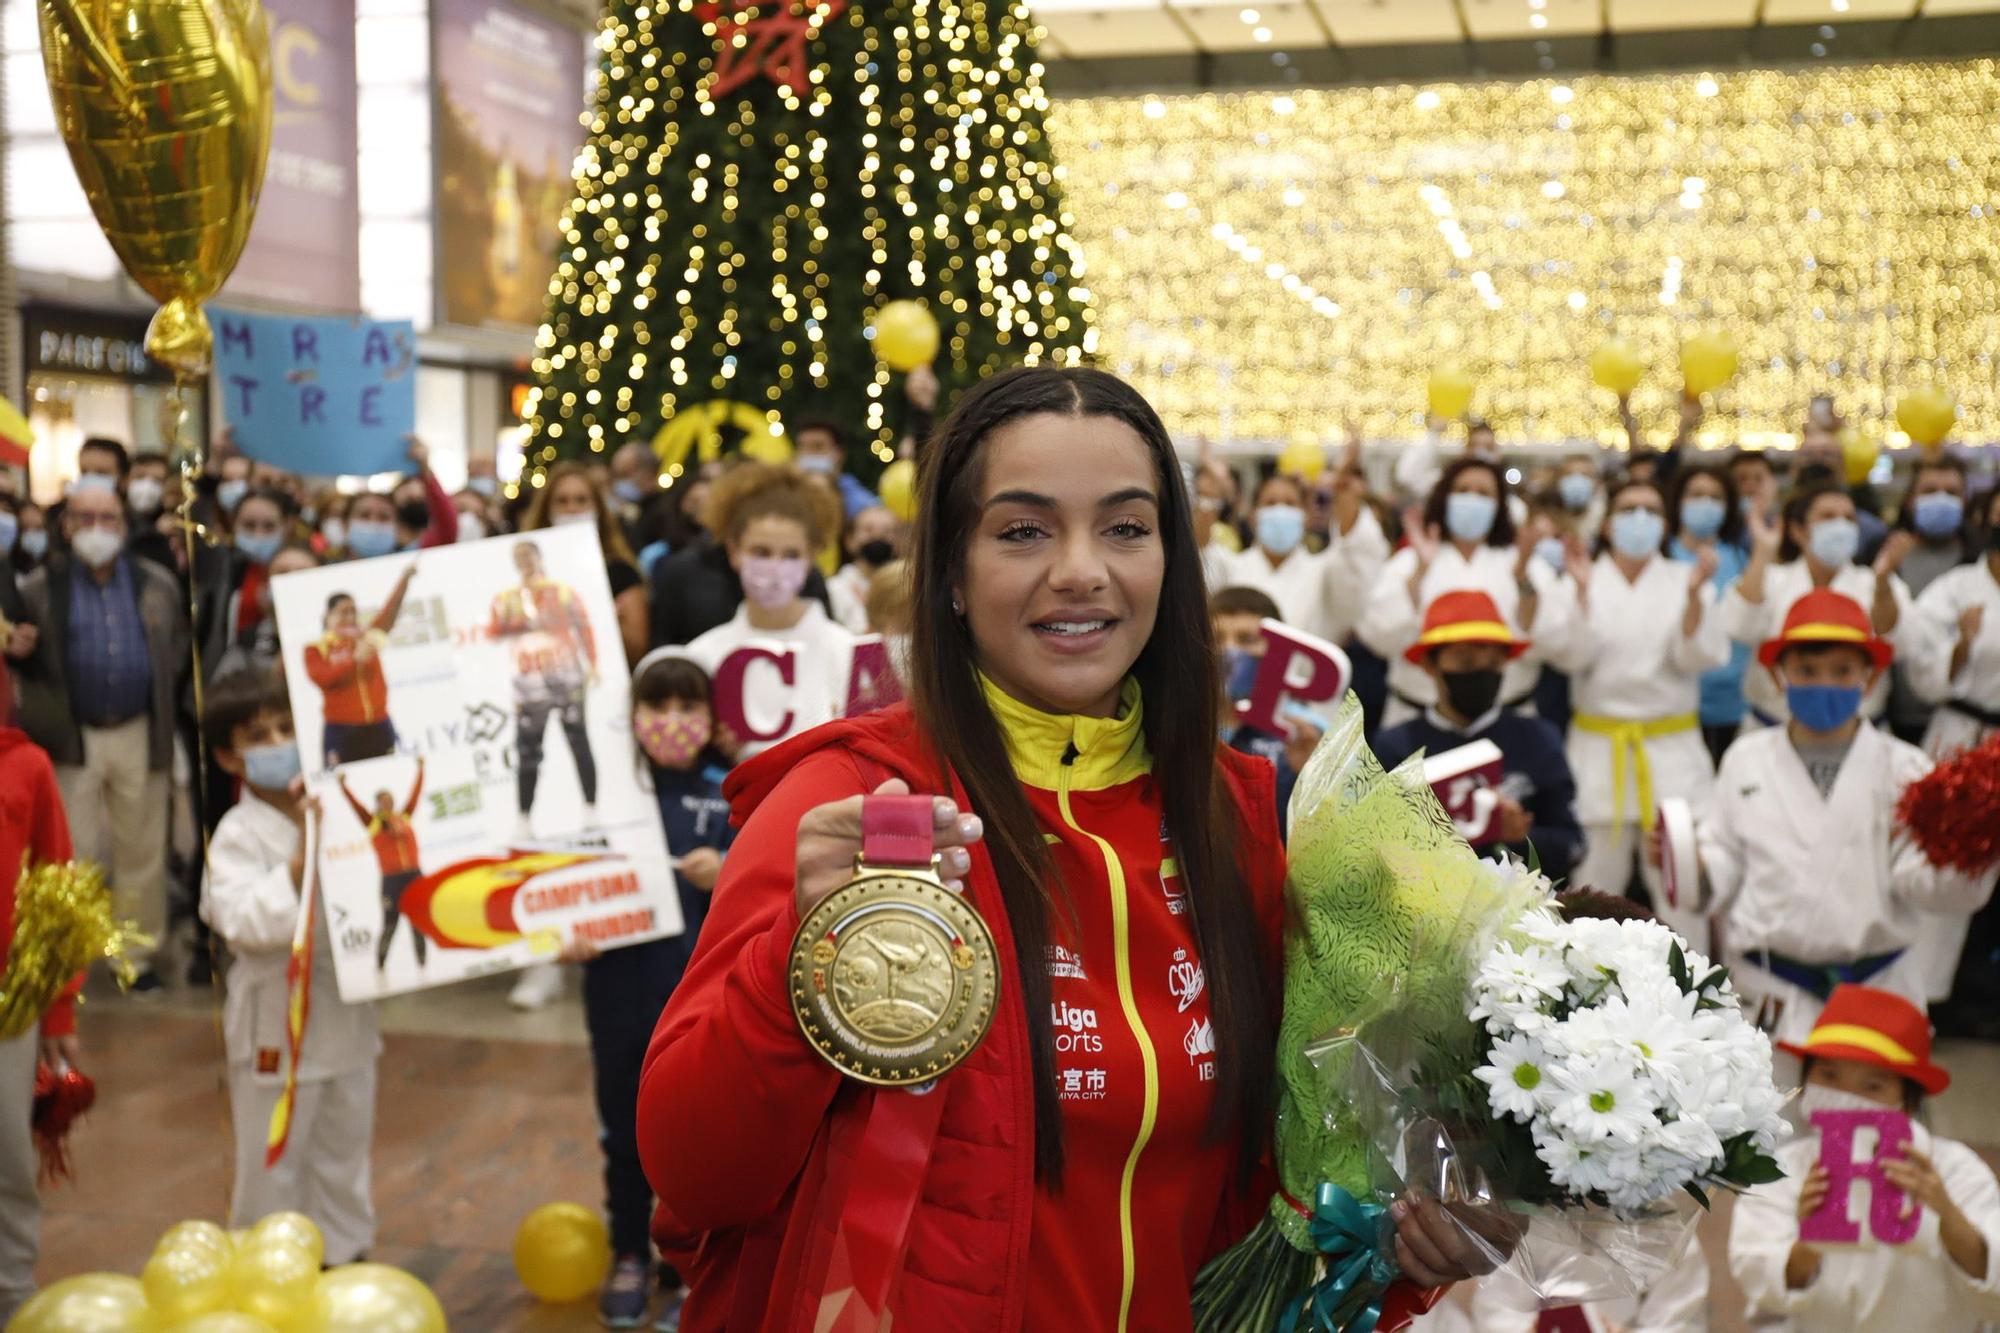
1239 672
1702 515
1551 552
628 492
1637 533
1575 488
10 528
371 539
1468 515
260 549
1939 514
1823 708
35 543
1280 528
1833 541
271 767
229 494
486 486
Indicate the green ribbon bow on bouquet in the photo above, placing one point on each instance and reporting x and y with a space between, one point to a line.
1358 1265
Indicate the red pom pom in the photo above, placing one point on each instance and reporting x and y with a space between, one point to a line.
60 1098
1952 812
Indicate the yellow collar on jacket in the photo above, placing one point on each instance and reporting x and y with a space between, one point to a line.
1109 750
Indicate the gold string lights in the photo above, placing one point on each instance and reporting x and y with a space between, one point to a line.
760 175
1300 259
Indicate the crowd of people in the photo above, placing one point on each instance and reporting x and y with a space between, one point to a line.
1745 633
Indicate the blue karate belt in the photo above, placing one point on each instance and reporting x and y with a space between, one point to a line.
1351 1235
1819 979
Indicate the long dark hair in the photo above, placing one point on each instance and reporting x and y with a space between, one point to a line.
1175 670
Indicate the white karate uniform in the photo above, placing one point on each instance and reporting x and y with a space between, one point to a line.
249 899
1754 623
1820 880
1914 1287
1628 660
847 591
1391 621
1320 592
818 692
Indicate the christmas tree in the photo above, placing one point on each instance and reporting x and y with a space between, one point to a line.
758 179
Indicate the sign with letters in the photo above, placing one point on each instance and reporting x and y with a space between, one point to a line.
324 396
1844 1137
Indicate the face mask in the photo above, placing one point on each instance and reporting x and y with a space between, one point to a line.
1471 694
144 495
579 518
1239 672
1637 533
10 528
817 465
1938 514
771 582
230 494
628 492
1702 515
334 530
368 539
1833 541
1575 488
308 515
1551 552
486 486
470 529
1280 528
259 549
671 740
1468 515
96 547
414 514
1823 708
92 481
271 767
877 553
35 543
1819 1097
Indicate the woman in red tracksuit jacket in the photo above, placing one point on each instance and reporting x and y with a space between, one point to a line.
1103 1141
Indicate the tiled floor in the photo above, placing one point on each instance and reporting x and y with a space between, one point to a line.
483 1114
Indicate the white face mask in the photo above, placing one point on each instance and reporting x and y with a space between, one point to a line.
470 529
581 516
334 530
96 547
144 494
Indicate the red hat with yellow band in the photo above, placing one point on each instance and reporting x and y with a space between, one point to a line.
1874 1027
1826 616
1466 616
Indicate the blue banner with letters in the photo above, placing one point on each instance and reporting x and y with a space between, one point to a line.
323 395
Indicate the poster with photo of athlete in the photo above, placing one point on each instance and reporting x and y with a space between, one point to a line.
464 715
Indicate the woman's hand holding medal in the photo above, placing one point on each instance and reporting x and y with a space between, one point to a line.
829 839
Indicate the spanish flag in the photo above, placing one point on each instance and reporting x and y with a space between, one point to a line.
17 437
298 1002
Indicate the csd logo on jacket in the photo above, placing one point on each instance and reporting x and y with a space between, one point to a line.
1075 1028
1185 980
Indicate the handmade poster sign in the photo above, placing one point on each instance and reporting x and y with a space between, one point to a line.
768 689
1467 782
325 396
1680 866
464 716
1296 666
1853 1146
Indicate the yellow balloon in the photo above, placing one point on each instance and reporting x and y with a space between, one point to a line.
273 1277
697 430
1303 458
1927 415
226 1321
296 1228
88 1303
1858 453
562 1252
165 106
1616 366
1708 361
906 335
185 1280
1450 391
372 1298
898 489
195 1232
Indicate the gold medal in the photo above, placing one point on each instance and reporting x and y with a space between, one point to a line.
894 977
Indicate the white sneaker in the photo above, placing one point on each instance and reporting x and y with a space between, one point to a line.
538 987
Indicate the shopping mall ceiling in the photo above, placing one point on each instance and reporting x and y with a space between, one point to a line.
1160 45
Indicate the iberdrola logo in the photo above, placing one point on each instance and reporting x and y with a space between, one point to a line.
470 904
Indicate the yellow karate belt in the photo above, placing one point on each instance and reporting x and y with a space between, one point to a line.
1629 739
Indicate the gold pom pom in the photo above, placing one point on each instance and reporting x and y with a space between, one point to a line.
63 923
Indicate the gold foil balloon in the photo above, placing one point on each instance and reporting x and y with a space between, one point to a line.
166 108
185 1280
1927 415
1858 452
898 488
273 1277
906 335
1708 361
88 1303
227 1321
562 1252
372 1298
296 1228
1616 366
1450 391
198 1234
1302 458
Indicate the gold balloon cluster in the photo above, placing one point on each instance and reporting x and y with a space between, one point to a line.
264 1279
1296 260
